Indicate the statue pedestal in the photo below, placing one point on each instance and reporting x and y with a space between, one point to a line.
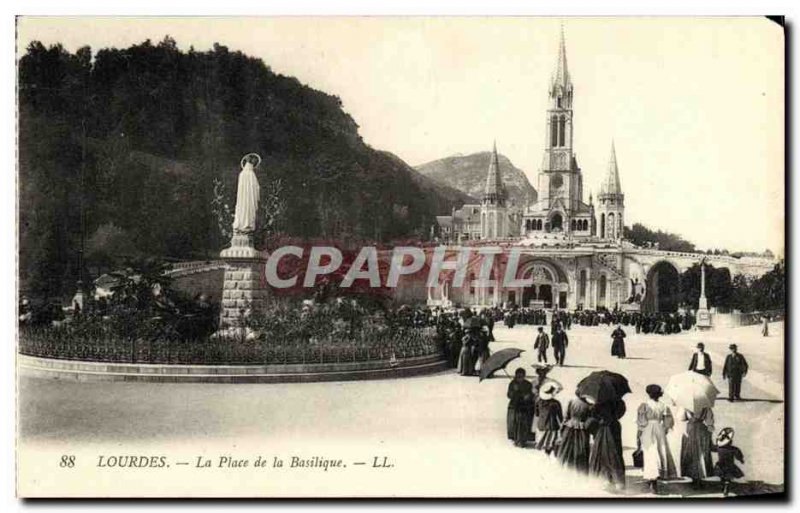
703 315
243 291
631 307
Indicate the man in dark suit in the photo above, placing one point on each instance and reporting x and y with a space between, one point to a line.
735 369
541 344
701 362
560 342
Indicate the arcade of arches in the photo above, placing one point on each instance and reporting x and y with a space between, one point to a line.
584 281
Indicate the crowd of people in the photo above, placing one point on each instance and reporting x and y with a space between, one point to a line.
587 436
465 332
662 323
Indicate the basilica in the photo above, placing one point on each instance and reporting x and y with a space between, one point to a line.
573 250
560 210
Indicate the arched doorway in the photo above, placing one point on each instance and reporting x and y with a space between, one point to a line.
549 288
663 289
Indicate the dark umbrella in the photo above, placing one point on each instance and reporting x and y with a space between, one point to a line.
498 361
602 386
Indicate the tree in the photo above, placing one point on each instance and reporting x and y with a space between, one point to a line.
719 287
742 298
769 291
108 247
642 236
150 128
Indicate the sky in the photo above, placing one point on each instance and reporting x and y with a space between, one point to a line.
695 106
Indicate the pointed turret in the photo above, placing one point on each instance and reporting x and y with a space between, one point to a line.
612 201
611 185
494 191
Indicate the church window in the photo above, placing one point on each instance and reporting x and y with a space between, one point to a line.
572 225
556 222
561 139
602 226
554 131
611 226
527 224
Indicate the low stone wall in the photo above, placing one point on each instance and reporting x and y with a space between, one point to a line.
75 370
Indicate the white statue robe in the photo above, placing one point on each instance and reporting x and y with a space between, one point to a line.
247 196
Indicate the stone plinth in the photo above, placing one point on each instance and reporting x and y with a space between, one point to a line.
243 291
631 307
703 319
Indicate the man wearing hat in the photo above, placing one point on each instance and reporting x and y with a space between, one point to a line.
734 370
560 343
701 362
541 344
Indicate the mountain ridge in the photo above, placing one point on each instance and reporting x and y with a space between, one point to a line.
467 173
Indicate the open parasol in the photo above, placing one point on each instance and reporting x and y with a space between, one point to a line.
602 386
691 391
499 360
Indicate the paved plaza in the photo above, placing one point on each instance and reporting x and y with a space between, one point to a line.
444 434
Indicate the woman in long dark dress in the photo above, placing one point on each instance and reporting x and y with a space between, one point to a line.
548 426
618 342
466 361
605 458
520 408
696 445
574 449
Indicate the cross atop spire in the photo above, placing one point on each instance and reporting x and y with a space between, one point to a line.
494 191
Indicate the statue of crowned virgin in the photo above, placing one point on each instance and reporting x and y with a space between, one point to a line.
247 195
246 214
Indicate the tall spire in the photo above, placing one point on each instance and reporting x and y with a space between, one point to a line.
494 190
561 75
611 184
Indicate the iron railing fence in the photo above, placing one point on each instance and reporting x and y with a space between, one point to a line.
53 343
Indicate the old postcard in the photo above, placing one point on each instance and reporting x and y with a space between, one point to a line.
401 257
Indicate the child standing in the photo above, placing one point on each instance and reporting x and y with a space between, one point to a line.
549 421
727 453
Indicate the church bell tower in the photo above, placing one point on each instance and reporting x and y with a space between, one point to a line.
494 215
611 202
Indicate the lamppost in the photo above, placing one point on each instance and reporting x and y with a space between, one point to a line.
703 314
